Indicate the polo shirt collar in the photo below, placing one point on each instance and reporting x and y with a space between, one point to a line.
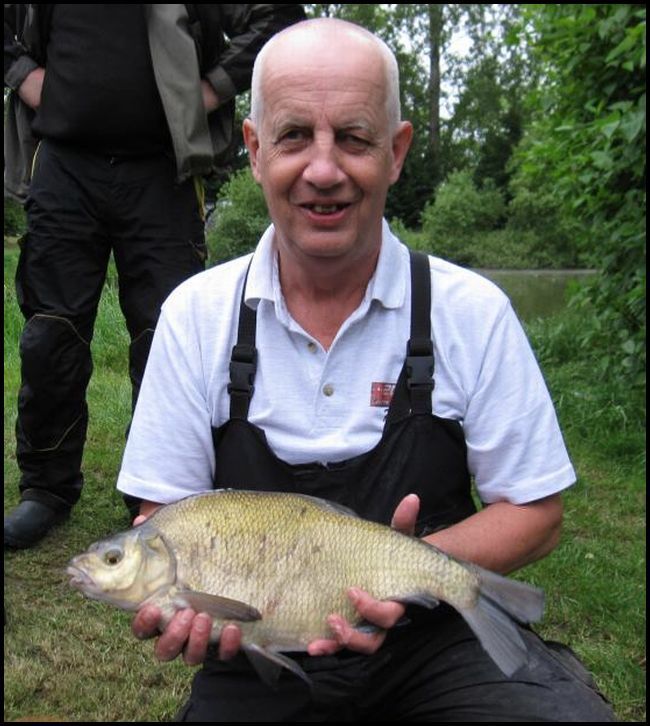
387 285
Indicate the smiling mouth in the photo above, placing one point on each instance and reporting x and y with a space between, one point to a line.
325 209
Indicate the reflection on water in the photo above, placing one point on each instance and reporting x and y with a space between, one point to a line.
535 293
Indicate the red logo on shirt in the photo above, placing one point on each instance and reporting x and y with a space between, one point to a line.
381 394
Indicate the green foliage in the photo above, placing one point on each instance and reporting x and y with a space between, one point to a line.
486 125
14 223
240 218
473 226
460 216
609 412
586 150
550 236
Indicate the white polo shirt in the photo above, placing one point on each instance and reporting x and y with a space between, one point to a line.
317 405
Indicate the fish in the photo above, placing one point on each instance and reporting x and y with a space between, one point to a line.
277 564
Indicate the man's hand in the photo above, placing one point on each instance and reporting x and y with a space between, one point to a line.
187 633
384 614
210 98
32 87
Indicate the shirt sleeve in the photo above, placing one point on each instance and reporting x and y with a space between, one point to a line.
169 453
516 450
17 62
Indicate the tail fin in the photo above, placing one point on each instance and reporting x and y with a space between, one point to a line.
500 600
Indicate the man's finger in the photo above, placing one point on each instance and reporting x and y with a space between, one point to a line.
198 640
349 637
323 647
406 514
146 622
229 641
383 613
173 639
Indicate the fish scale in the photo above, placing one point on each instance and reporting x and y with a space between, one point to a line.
278 564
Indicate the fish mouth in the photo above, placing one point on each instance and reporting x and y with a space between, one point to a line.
80 579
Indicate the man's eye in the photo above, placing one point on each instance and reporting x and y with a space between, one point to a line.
353 142
293 136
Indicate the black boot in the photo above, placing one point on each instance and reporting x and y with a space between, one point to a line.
29 522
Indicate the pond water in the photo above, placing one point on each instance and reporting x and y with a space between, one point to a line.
535 293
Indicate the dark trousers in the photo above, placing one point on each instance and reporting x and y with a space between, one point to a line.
81 207
435 671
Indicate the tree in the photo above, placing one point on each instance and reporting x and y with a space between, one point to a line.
586 149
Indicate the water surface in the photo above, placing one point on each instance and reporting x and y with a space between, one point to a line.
535 293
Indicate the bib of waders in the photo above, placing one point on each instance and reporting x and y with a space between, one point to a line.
418 452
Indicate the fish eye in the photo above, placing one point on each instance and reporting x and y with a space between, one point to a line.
112 556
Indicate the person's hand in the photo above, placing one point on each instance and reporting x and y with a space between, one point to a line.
32 87
210 98
384 614
187 632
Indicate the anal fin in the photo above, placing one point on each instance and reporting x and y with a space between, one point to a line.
269 665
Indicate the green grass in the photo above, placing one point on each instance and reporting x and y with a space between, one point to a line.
70 659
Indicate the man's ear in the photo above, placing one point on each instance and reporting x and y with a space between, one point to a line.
401 144
251 140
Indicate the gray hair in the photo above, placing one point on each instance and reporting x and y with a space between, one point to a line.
391 69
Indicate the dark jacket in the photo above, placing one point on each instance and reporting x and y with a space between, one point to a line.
224 39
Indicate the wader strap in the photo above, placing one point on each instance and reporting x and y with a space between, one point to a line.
415 383
243 360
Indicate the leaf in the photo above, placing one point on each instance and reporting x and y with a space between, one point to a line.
626 44
629 347
602 160
632 125
610 125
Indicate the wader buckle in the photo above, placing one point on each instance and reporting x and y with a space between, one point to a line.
243 364
419 364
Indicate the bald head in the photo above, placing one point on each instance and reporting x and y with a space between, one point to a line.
311 40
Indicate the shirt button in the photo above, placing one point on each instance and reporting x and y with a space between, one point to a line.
328 389
312 347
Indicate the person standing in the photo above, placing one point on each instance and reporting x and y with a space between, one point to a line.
115 113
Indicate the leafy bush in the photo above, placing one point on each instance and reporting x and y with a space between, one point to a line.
456 222
240 218
511 250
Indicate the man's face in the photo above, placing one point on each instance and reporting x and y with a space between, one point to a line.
325 155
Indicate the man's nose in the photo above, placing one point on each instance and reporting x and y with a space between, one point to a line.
323 169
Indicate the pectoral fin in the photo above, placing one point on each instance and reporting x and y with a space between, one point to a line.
220 607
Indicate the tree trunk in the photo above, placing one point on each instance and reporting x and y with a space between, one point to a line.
435 41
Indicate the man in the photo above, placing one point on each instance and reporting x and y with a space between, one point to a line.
308 367
132 103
